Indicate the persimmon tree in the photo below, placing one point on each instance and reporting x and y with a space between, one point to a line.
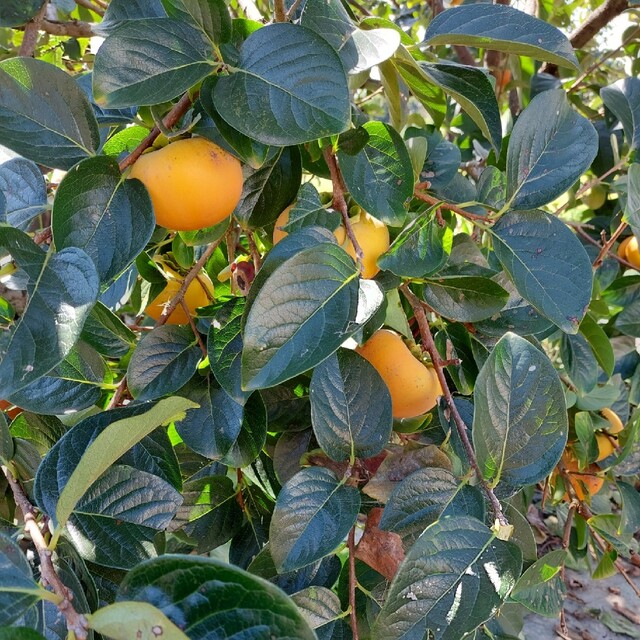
239 469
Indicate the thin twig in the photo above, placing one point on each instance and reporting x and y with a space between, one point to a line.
419 193
279 12
606 246
30 37
352 582
87 4
76 622
293 9
255 254
339 203
192 324
118 393
73 28
430 347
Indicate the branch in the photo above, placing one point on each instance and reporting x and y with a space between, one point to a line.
352 582
76 622
87 4
74 28
30 38
418 193
430 347
279 11
606 246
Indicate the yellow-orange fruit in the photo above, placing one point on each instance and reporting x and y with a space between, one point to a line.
283 219
605 446
414 387
192 183
622 247
585 483
195 296
631 252
373 237
10 410
615 424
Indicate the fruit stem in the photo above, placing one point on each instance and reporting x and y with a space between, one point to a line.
472 217
430 346
352 582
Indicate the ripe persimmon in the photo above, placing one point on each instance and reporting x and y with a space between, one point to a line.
283 219
193 183
615 424
585 483
414 386
373 237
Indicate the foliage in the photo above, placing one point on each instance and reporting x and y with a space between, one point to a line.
237 470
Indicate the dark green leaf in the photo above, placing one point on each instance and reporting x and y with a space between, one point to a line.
18 589
380 177
628 320
359 50
520 424
301 315
24 190
6 441
99 211
319 606
43 431
19 633
228 598
418 501
632 205
107 333
550 147
164 360
252 436
622 98
501 28
630 521
579 362
540 587
313 514
210 16
44 116
420 249
120 11
548 265
268 190
452 580
14 13
292 84
464 298
350 407
471 89
148 61
442 160
308 211
62 288
492 187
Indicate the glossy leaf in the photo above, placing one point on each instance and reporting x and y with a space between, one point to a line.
106 332
548 265
501 28
62 288
451 581
24 191
492 187
99 211
599 342
308 211
520 424
14 13
252 437
313 514
350 407
319 606
148 61
120 11
163 361
622 98
550 147
292 83
300 316
228 599
579 362
210 16
380 176
464 298
44 116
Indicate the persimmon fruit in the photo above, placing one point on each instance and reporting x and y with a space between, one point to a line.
193 183
283 219
631 251
585 483
605 446
414 386
373 237
615 424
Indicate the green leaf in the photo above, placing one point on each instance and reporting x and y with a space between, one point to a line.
380 176
628 320
164 360
44 116
62 288
622 98
228 598
24 190
540 588
492 187
14 13
252 436
599 342
464 298
268 190
120 11
350 407
501 28
308 211
359 50
106 332
550 147
418 501
442 160
548 265
292 84
630 512
452 580
419 250
632 205
124 620
520 423
471 89
94 453
6 442
319 606
210 16
212 428
224 348
312 516
19 633
300 316
99 211
149 61
579 362
18 589
210 514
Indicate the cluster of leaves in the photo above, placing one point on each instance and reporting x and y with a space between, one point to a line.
243 473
